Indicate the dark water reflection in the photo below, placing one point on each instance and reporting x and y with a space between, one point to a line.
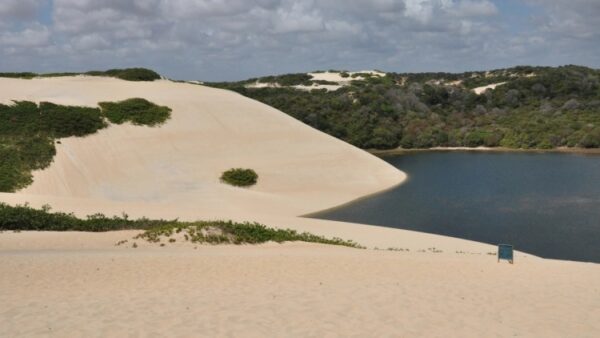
546 204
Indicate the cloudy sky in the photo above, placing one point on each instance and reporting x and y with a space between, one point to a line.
237 39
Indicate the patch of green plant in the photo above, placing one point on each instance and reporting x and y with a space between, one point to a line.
26 218
129 74
28 132
240 177
324 82
228 232
138 111
21 75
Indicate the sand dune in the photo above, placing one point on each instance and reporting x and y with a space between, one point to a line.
482 89
81 284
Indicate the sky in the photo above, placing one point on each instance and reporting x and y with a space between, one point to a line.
222 40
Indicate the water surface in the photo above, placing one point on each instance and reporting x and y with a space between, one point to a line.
546 204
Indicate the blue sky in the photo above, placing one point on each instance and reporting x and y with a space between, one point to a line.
236 39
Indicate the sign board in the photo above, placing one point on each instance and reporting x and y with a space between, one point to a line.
505 251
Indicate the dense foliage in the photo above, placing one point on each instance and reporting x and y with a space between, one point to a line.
138 111
25 218
240 177
129 74
536 107
28 132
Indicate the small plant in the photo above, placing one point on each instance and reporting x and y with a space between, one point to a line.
240 177
119 243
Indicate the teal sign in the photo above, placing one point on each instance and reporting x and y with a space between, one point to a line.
505 251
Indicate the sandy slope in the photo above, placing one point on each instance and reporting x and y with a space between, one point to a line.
482 89
290 290
80 284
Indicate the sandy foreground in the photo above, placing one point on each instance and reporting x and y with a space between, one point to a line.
291 290
80 284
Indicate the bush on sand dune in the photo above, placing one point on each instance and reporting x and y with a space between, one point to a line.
240 177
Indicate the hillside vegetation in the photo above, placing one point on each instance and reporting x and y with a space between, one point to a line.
28 132
129 74
530 108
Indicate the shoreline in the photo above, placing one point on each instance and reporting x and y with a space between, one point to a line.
402 151
314 214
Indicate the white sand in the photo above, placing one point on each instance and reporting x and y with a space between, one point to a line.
482 89
335 77
80 284
291 290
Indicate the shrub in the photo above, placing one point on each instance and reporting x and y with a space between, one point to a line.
138 111
133 74
240 177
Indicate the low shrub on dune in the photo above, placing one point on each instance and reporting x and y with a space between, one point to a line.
240 177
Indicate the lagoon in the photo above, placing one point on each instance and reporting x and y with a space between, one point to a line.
545 204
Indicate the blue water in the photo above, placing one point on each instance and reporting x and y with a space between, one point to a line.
546 204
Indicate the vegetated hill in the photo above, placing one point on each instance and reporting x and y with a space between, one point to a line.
524 107
129 74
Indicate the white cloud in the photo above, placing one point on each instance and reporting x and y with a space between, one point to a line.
229 39
36 36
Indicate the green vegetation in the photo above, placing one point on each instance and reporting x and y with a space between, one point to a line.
240 177
25 218
228 232
129 74
536 108
136 110
28 132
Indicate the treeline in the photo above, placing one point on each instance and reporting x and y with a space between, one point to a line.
537 107
28 131
129 74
